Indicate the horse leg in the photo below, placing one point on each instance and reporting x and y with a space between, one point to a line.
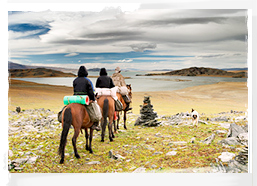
118 120
125 118
104 119
103 126
74 139
90 140
114 126
111 135
67 120
86 135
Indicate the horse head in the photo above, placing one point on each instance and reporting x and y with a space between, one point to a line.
129 91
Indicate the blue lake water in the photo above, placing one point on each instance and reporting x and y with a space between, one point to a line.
144 83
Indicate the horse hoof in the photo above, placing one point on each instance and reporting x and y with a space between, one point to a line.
111 139
87 147
102 140
116 132
91 151
61 161
77 156
125 127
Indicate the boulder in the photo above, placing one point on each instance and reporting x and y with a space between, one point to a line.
229 141
235 130
226 156
209 139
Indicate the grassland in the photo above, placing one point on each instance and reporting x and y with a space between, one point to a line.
139 146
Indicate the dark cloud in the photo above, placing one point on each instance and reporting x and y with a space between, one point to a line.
142 46
182 21
111 34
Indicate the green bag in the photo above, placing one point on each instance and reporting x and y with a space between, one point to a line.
81 99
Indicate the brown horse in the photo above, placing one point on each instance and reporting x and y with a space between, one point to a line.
124 107
108 108
75 114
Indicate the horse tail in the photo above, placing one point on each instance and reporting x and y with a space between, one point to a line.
67 119
105 108
105 115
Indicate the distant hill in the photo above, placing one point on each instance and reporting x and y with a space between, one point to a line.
38 72
12 65
201 71
234 69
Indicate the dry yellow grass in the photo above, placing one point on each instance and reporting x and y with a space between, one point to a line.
223 96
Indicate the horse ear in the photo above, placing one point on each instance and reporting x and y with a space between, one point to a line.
192 110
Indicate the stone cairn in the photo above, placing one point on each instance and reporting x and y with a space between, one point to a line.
148 116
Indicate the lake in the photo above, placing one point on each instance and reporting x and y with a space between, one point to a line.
144 83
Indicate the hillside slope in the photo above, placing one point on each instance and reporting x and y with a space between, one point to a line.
38 72
201 71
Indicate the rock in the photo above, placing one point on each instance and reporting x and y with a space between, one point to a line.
172 153
203 122
40 147
115 156
18 168
93 162
229 141
243 138
225 125
221 132
192 140
178 142
148 116
10 153
20 161
235 130
139 170
209 139
226 156
242 157
32 160
220 118
157 153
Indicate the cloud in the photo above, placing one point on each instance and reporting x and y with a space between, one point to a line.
125 60
142 46
202 33
71 54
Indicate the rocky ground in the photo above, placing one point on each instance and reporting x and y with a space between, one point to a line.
218 145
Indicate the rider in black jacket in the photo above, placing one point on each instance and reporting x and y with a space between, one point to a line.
104 81
82 85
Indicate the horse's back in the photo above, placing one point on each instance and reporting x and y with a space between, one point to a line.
79 113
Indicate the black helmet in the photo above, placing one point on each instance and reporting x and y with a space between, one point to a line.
82 72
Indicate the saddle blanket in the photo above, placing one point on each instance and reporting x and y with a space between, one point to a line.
107 92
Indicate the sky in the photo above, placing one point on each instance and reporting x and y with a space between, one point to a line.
142 39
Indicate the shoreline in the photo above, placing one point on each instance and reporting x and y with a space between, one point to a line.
209 99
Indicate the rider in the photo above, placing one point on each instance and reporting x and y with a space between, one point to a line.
119 81
83 86
104 81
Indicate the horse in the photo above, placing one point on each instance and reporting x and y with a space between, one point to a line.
76 115
124 107
107 105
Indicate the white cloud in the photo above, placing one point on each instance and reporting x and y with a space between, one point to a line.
175 32
71 54
125 60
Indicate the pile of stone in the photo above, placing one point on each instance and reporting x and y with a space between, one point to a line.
148 116
32 120
242 157
237 135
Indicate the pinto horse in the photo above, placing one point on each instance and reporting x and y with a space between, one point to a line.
75 114
124 107
108 109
